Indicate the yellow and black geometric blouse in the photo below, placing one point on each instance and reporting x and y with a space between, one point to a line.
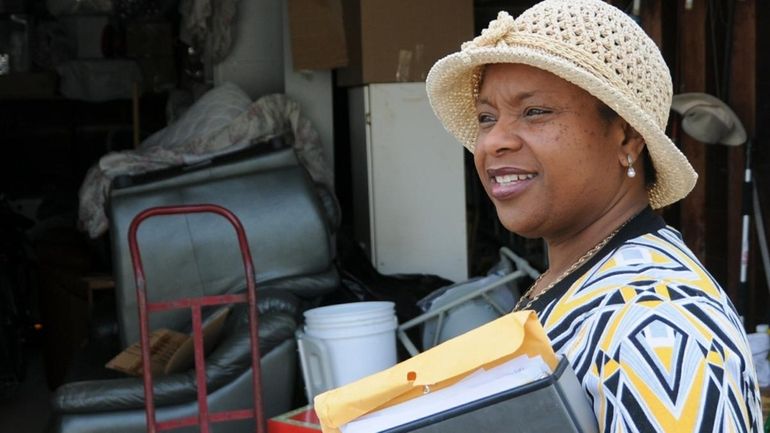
654 340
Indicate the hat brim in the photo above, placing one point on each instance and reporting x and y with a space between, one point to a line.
449 86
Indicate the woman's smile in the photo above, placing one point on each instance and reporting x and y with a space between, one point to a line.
506 183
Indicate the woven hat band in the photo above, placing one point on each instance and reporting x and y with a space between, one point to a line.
556 48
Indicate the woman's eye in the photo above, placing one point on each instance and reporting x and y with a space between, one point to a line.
485 118
536 111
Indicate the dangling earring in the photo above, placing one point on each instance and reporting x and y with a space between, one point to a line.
630 172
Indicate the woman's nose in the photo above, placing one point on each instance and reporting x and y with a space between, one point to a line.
499 139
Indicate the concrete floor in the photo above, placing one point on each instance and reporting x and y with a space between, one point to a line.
28 412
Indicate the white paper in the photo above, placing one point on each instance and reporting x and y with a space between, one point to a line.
481 383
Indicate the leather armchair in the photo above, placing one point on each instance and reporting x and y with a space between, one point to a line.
289 222
117 405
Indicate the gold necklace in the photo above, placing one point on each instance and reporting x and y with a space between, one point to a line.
580 261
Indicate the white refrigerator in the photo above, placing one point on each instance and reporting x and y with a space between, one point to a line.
408 183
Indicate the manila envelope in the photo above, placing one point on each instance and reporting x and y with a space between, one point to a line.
487 346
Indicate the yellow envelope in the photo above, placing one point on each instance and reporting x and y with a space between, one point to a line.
487 346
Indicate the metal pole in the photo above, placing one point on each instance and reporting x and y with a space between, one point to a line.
746 221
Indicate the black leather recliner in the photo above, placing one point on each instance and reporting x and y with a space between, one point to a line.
289 222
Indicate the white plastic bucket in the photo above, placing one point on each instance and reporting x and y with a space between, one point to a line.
356 339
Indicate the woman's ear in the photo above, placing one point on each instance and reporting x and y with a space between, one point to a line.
632 144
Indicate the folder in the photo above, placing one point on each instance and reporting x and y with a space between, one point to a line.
447 364
555 403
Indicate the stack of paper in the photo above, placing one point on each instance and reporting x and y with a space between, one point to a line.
482 383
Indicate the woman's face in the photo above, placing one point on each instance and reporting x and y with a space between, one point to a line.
546 157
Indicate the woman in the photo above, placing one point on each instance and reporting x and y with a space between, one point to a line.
565 111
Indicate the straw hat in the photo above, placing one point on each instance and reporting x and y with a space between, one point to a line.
588 43
709 120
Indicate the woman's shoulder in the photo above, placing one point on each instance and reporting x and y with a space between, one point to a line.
651 262
653 278
650 269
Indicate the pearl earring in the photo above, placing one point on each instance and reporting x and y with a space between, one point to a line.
630 172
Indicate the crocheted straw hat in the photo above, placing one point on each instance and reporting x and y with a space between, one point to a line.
588 43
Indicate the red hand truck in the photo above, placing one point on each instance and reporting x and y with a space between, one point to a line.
204 418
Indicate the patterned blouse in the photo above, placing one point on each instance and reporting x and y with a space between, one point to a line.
654 340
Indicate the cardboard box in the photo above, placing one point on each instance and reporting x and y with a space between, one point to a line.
302 420
317 34
163 344
399 40
170 351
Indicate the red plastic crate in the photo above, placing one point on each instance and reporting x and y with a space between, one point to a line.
302 420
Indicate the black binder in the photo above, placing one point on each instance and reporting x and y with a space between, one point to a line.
555 403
